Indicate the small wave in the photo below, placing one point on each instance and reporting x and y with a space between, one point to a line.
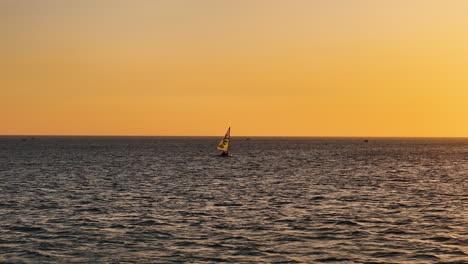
163 234
227 204
438 239
463 261
345 222
217 245
149 223
212 259
186 244
332 259
230 238
387 254
359 234
395 231
48 206
34 254
289 239
425 257
27 229
118 226
92 209
315 198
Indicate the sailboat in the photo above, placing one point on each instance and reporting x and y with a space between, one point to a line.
224 143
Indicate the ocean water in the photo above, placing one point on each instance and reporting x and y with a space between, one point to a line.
278 200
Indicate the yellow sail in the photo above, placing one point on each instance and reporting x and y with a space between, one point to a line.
224 143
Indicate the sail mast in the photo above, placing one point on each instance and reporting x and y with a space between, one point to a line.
229 138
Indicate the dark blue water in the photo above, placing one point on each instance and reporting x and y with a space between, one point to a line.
279 200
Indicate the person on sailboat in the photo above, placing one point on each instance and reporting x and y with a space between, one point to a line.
223 145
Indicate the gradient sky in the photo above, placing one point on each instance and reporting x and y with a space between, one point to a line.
265 68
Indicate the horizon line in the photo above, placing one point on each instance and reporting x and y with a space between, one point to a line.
282 136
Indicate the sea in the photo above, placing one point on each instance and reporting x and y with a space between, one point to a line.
276 200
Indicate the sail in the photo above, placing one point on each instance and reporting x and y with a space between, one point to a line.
224 143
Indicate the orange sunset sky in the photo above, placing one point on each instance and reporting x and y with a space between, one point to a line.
264 67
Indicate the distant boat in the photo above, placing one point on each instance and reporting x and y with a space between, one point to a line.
224 143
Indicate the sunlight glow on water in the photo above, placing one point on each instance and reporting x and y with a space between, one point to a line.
171 200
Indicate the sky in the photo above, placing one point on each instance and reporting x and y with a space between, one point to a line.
351 68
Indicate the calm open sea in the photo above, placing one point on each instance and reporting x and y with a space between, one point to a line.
279 200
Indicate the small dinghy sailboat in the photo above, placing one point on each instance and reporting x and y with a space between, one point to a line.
224 144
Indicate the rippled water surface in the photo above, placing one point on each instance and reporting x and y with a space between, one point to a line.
278 200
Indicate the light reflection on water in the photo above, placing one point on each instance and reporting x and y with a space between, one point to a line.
171 200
